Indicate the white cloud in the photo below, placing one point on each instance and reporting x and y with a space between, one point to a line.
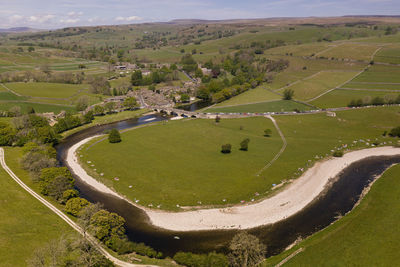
69 21
16 18
74 14
40 18
128 19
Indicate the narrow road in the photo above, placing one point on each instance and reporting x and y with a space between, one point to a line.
280 151
74 225
11 91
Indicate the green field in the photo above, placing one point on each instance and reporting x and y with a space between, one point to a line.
317 84
258 94
380 73
341 98
25 223
164 163
47 90
38 107
164 158
352 51
271 106
368 236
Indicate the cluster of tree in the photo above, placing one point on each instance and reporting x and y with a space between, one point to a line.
68 251
70 121
246 250
376 101
57 182
99 85
390 30
247 70
32 127
44 75
156 76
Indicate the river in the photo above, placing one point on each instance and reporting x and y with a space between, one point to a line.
338 200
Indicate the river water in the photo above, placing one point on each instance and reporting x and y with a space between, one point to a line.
338 200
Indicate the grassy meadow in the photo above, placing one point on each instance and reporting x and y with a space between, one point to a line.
26 224
165 158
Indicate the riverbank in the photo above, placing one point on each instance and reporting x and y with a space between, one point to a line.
276 208
109 118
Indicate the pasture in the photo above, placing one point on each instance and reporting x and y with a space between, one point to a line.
181 160
268 106
25 224
341 98
47 90
319 83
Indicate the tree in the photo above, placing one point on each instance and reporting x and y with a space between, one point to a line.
100 85
7 134
130 103
88 117
98 110
185 98
226 149
288 94
30 110
267 132
109 107
31 49
75 205
114 136
244 145
137 78
246 250
105 224
86 215
189 64
395 132
82 103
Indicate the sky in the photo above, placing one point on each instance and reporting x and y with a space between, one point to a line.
52 14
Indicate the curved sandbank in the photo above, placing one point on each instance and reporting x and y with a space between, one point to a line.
289 201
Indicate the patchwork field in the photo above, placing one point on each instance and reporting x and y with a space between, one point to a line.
389 54
352 51
368 236
47 90
270 106
341 98
39 107
319 83
380 73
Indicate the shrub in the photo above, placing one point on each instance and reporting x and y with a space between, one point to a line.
267 132
75 205
288 94
338 154
395 132
114 136
226 149
68 194
244 145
